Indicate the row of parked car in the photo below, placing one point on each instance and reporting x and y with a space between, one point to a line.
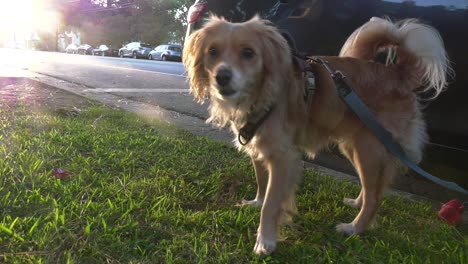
137 50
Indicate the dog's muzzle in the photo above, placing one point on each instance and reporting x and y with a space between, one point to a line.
223 79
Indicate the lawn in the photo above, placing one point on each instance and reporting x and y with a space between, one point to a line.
141 191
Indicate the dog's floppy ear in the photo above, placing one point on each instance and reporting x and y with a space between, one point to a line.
277 53
192 58
277 58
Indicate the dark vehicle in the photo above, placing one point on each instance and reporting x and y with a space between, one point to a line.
135 50
320 27
167 52
85 49
104 50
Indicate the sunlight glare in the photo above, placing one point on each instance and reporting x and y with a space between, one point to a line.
26 16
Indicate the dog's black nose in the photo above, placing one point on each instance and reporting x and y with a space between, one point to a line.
223 76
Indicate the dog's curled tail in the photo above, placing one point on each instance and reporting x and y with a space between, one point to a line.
409 43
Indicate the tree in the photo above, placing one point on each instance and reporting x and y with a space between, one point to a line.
118 21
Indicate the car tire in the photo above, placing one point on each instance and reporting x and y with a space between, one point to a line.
134 55
163 58
121 54
150 57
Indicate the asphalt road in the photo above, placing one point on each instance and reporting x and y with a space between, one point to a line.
157 82
98 71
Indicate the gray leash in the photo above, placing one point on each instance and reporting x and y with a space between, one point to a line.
386 138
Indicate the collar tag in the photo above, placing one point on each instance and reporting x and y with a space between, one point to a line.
246 134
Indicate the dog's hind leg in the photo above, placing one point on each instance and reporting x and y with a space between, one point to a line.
348 152
375 167
262 181
285 170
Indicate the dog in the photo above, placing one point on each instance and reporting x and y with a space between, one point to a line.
247 72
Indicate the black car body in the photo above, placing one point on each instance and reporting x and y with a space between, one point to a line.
85 49
135 50
167 52
104 50
320 27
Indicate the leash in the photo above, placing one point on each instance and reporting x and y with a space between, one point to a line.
385 137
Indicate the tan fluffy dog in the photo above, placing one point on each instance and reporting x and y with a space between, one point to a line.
247 72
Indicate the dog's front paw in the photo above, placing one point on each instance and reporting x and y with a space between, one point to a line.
348 229
255 202
264 246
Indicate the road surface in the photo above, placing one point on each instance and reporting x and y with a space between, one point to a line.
157 82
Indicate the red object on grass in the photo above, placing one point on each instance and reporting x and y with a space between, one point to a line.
452 212
59 173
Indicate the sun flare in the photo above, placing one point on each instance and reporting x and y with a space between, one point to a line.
26 16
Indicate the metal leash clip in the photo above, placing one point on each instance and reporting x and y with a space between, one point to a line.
324 63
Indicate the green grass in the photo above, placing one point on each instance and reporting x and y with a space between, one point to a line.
141 191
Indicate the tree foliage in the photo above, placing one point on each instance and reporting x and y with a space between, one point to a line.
116 22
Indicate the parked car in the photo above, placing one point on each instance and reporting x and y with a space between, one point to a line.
72 48
85 49
320 27
104 50
168 52
135 50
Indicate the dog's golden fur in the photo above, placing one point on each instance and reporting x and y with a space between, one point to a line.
245 69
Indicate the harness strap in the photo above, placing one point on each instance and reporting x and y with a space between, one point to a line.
302 63
386 138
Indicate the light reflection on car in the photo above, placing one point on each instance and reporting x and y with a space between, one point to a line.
104 50
72 48
85 49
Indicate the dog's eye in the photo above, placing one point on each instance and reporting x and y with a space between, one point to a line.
213 52
247 53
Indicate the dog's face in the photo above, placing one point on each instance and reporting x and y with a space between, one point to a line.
234 61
